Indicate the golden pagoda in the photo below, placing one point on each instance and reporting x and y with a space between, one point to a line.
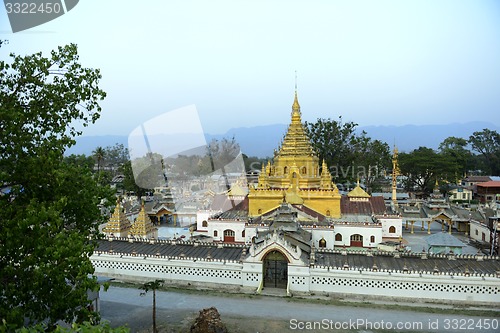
294 176
143 227
118 225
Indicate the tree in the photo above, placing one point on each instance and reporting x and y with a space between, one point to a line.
487 143
152 285
456 149
116 156
80 160
423 166
99 155
49 205
349 155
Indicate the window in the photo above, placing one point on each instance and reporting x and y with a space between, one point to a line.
327 213
372 239
285 170
357 238
204 224
477 232
338 237
392 229
322 243
259 211
215 233
243 234
229 233
304 170
483 237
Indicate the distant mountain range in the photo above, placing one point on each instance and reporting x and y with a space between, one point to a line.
262 140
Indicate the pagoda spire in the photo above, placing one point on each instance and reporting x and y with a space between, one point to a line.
118 225
395 174
296 105
143 227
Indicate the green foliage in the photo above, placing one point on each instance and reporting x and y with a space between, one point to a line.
86 162
423 166
116 155
487 144
456 150
349 155
254 163
152 285
49 211
85 327
129 183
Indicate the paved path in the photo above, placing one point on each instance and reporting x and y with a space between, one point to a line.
125 305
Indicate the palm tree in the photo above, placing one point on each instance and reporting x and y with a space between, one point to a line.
99 154
152 285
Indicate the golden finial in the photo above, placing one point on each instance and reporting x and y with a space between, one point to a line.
296 105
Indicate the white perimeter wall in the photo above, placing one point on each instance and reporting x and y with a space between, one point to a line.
427 286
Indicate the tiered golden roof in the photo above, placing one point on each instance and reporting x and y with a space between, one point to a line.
143 227
296 143
118 224
295 175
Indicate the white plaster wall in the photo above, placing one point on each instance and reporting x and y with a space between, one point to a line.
480 229
365 231
303 279
200 217
298 278
220 226
397 223
425 286
251 274
136 268
327 234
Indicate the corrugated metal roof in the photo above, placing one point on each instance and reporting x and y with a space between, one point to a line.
170 249
372 205
443 239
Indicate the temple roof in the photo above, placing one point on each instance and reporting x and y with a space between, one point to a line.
296 142
369 206
358 192
142 225
118 221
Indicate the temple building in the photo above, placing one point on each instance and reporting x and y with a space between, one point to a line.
295 177
143 227
118 225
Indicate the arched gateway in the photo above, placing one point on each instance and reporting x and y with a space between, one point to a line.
275 270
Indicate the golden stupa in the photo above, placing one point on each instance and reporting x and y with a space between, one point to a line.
294 176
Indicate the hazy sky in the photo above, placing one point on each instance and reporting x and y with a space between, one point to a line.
373 62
